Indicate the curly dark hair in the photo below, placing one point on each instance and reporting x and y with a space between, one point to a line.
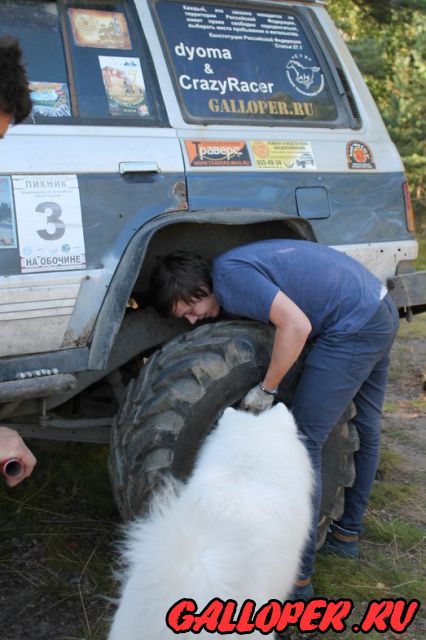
14 89
179 276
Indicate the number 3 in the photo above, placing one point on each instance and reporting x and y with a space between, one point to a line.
53 218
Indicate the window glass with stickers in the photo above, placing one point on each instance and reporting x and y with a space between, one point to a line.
110 70
238 64
36 26
86 61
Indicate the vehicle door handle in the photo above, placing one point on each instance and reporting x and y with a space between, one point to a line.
138 167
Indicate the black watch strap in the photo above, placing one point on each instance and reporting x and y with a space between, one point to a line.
270 392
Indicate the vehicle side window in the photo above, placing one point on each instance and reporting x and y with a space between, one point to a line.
248 65
86 61
36 26
110 73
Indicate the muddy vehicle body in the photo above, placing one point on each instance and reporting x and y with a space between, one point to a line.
160 125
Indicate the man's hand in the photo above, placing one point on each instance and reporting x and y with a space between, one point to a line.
257 400
13 447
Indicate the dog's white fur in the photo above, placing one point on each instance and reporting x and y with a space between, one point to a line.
236 530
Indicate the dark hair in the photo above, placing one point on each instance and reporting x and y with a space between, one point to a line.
14 89
179 276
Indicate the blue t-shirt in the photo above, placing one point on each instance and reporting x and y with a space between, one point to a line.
337 293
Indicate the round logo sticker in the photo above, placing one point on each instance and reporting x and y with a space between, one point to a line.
260 148
359 155
304 75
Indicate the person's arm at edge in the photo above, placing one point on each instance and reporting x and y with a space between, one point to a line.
292 330
12 446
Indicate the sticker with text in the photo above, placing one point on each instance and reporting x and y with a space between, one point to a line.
124 85
49 221
217 153
320 614
50 99
283 155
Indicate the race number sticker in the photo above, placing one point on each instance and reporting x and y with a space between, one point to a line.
48 214
283 154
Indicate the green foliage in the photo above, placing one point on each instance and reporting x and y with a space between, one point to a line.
388 42
384 11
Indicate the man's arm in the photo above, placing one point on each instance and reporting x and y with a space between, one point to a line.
292 330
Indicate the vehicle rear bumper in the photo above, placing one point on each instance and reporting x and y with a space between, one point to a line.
408 291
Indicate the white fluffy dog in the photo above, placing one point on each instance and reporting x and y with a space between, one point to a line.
235 530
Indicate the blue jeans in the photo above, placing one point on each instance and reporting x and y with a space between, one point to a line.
341 368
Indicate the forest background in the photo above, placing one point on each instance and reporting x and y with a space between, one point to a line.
388 41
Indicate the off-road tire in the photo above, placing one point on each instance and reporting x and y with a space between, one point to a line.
176 400
338 470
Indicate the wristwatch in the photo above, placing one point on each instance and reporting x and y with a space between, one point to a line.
270 392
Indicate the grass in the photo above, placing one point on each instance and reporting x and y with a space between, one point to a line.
56 541
420 216
390 407
389 530
419 403
392 560
414 329
421 239
421 261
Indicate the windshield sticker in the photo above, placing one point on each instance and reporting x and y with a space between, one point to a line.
233 63
217 153
283 154
50 99
50 230
359 155
99 29
7 215
124 86
304 75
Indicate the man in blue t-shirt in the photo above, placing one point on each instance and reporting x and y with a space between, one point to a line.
308 292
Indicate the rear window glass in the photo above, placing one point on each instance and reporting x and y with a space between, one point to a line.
241 64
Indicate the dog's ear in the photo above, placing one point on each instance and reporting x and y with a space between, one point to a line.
284 415
229 411
280 409
227 418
